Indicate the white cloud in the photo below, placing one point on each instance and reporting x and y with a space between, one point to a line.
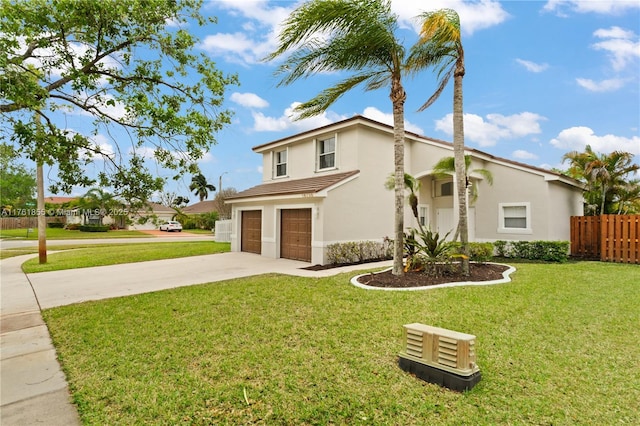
608 85
523 155
623 46
495 128
249 100
583 6
263 123
375 114
474 16
576 138
260 32
532 66
259 35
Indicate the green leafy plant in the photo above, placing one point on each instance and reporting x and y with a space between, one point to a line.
549 251
427 252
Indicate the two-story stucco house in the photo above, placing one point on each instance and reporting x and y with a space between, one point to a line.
328 185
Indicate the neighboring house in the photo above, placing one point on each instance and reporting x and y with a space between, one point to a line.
328 185
150 218
207 206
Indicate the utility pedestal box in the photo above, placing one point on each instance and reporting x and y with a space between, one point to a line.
440 356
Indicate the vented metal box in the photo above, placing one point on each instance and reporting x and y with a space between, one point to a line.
441 356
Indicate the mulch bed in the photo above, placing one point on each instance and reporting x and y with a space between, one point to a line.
477 272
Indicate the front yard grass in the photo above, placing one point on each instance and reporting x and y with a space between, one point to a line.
558 345
66 234
114 254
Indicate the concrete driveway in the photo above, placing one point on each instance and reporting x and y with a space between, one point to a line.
33 388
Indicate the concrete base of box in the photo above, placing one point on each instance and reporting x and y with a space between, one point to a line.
439 377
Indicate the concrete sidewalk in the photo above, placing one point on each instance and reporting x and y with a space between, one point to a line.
33 387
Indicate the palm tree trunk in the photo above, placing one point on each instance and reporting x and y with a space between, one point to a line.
398 97
458 154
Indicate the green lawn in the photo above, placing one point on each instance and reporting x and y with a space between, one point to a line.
557 346
65 234
114 254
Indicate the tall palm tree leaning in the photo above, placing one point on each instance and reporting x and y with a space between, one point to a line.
440 45
350 35
201 187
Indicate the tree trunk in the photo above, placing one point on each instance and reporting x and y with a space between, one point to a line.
42 219
398 97
40 207
458 154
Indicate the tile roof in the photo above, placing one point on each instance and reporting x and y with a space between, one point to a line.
295 186
207 206
59 200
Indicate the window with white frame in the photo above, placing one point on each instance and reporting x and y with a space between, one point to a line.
326 153
444 188
514 218
280 163
423 215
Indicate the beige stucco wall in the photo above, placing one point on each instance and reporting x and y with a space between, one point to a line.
361 208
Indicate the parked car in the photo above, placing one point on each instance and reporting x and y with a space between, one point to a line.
170 226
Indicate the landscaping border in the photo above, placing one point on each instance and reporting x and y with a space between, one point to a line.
505 279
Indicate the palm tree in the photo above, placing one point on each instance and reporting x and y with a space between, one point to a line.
357 36
605 175
98 200
441 45
413 186
200 186
628 200
446 167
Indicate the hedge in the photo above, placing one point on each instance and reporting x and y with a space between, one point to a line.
550 251
94 228
359 252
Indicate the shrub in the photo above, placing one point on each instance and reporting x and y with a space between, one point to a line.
72 226
55 225
550 251
478 252
427 251
359 251
94 228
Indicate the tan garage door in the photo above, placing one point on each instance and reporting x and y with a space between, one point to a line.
295 233
251 239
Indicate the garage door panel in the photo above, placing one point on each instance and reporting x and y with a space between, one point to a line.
251 238
295 235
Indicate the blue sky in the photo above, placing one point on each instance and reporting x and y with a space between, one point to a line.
543 78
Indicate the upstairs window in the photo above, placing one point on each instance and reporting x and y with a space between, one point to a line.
444 189
326 153
280 163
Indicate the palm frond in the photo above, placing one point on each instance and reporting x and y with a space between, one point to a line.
328 96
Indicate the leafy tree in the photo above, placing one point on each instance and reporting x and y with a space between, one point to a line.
171 199
223 209
121 62
201 187
608 187
440 45
125 63
17 182
357 36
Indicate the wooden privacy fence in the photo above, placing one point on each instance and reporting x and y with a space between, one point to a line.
27 221
610 238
